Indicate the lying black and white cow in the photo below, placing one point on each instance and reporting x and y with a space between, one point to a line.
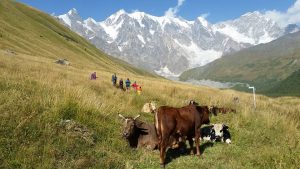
216 132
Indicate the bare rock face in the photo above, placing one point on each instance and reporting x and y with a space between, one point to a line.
63 62
10 52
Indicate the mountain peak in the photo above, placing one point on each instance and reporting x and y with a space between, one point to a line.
203 21
252 14
291 28
114 17
73 11
118 13
137 15
90 20
191 43
121 11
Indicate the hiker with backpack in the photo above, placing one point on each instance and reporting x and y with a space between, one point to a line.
114 79
94 76
127 83
121 84
134 85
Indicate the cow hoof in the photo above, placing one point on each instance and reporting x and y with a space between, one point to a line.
162 166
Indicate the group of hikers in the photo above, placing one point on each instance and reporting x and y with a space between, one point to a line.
128 85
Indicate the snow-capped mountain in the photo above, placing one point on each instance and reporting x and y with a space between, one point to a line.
169 45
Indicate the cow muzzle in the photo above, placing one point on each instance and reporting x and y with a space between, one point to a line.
218 138
125 135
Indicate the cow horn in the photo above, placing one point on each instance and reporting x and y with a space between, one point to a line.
136 117
120 115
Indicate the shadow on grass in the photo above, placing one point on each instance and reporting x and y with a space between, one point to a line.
175 153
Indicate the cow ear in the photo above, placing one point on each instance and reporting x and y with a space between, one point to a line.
225 127
213 126
138 124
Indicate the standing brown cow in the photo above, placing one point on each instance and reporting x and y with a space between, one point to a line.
172 123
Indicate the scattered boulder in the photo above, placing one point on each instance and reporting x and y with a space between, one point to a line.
10 52
63 62
74 129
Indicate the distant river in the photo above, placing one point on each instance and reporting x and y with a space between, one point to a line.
209 83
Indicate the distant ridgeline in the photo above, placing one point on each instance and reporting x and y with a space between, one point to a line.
273 68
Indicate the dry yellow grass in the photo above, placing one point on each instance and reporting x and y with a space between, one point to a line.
35 94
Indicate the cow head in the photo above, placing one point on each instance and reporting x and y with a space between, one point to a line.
152 106
213 110
204 111
219 130
128 125
149 107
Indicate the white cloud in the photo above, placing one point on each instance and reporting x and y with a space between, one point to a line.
291 16
134 11
171 12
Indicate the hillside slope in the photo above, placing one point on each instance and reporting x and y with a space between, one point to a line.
28 31
264 66
289 86
53 116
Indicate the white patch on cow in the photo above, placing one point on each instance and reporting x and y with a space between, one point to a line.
148 147
206 138
218 128
228 141
156 120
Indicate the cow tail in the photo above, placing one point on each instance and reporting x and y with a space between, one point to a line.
157 125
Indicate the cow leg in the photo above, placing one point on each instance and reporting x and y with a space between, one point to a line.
182 144
163 147
197 136
198 147
191 142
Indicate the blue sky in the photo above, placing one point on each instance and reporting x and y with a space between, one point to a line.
217 10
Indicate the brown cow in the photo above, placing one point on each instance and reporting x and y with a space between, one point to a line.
223 110
185 122
139 134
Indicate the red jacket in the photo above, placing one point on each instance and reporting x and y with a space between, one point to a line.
134 85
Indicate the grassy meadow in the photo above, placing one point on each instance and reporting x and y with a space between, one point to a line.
36 95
